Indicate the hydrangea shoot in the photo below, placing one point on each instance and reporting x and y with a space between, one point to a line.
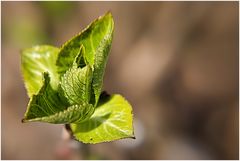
65 85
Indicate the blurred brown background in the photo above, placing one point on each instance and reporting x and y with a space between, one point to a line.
176 62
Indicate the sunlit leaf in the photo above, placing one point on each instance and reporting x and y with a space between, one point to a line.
35 61
111 120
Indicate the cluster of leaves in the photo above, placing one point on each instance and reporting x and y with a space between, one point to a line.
65 85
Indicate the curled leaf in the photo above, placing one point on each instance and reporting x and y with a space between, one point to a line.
96 39
50 106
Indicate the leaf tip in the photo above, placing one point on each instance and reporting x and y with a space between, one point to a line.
108 16
108 13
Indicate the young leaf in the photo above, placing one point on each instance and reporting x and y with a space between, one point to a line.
96 39
73 114
99 65
50 106
35 61
111 120
76 84
46 102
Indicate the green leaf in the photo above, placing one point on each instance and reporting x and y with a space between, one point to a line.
99 66
96 39
73 114
76 84
111 120
50 106
35 61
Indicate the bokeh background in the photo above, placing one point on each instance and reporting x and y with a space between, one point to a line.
176 62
